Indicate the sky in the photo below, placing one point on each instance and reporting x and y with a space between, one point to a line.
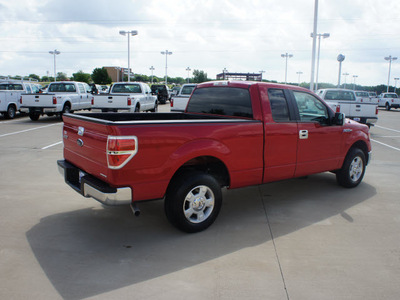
208 35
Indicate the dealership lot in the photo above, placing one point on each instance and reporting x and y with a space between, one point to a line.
304 238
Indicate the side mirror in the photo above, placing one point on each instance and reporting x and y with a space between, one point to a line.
339 119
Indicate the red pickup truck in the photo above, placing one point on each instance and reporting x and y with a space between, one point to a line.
232 134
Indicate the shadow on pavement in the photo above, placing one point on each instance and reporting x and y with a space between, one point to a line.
96 250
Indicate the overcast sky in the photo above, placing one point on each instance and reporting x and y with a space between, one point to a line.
209 35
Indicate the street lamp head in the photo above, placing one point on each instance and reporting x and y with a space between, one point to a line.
122 32
134 32
326 35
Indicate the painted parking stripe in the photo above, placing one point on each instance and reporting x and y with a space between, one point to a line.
387 128
26 130
394 148
52 145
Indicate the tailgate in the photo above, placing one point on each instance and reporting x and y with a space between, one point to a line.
85 145
363 110
37 100
110 101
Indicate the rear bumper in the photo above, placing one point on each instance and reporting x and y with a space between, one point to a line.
89 186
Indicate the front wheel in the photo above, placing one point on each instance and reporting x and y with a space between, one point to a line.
353 169
193 201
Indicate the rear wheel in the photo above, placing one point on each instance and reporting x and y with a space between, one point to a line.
11 112
387 106
353 169
193 201
34 116
66 110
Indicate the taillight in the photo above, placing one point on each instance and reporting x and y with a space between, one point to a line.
120 150
92 100
20 100
54 100
172 102
376 110
361 100
129 102
338 108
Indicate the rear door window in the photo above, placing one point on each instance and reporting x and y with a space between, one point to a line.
227 101
279 106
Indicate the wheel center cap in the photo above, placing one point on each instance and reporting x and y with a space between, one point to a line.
199 203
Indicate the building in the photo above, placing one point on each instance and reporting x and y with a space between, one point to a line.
240 76
117 74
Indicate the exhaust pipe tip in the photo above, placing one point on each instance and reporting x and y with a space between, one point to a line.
135 210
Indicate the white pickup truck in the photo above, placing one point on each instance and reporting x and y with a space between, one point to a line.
345 101
62 97
389 100
126 96
10 94
181 99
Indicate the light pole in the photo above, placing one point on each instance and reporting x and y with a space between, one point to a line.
224 71
314 44
319 35
54 53
188 69
286 55
152 69
345 76
261 72
390 59
354 83
299 73
395 84
166 53
129 33
340 59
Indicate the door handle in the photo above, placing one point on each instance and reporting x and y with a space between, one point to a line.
303 134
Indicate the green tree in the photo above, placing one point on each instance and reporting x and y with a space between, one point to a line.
199 76
62 76
34 76
81 76
100 76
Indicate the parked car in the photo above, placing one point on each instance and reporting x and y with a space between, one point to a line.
389 100
10 94
345 101
232 134
162 92
175 91
62 97
126 96
179 102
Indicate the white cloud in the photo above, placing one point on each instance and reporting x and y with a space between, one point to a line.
203 34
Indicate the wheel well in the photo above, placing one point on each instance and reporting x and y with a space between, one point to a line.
361 145
209 165
67 103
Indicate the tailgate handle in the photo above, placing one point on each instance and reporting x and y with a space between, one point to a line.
36 96
303 134
110 97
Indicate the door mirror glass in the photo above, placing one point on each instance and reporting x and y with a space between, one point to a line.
339 119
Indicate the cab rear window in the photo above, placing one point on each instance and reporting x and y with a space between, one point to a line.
227 101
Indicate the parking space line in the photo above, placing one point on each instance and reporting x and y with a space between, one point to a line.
386 145
26 130
52 145
386 128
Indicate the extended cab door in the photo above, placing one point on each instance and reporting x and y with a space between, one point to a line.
281 135
319 142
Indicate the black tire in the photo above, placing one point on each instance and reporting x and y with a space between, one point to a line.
155 109
193 201
353 169
387 106
34 116
66 110
137 108
11 112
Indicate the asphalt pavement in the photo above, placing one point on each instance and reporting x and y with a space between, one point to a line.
304 238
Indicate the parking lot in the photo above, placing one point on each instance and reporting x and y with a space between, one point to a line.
304 238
